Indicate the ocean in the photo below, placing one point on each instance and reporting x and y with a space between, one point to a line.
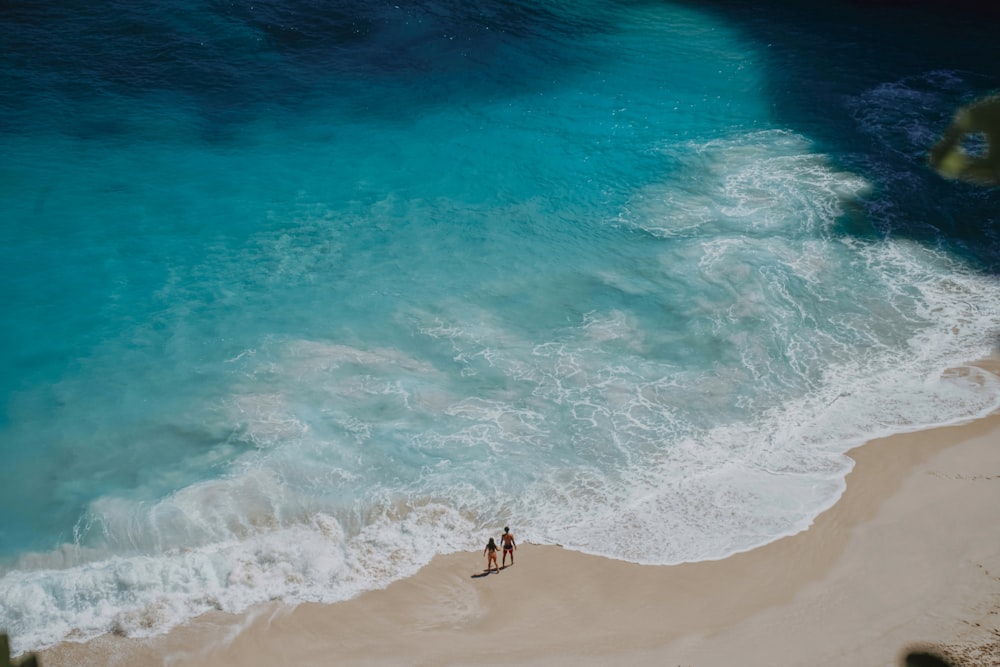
298 294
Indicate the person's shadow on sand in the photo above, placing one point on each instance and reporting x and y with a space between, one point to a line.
488 572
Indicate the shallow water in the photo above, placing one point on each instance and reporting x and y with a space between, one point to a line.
299 296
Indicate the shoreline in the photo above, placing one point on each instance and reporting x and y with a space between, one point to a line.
905 557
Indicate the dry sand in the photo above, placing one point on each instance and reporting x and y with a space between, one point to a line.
909 555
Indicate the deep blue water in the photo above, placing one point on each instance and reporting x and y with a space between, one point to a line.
299 294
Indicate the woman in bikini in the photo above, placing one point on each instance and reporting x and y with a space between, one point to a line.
491 555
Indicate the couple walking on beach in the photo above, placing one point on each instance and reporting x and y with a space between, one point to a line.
507 540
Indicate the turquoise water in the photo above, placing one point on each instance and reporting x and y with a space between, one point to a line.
298 297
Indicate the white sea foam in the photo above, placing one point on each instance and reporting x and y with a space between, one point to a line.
143 595
752 183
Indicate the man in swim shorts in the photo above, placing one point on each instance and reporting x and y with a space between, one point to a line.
507 540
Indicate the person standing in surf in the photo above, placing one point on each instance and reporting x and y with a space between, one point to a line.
491 555
507 540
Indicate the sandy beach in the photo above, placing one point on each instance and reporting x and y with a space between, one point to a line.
910 556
